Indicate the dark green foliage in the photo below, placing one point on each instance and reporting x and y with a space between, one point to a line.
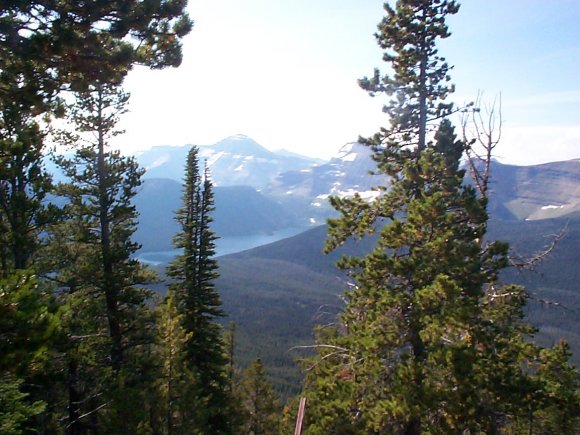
430 341
27 326
560 394
260 405
47 46
26 322
23 185
176 382
101 374
197 301
108 322
15 411
418 83
70 42
432 344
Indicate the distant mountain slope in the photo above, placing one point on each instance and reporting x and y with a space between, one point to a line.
517 192
554 286
536 192
240 210
236 160
278 292
308 189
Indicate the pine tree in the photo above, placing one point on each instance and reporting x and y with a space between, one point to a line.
177 383
46 47
198 302
418 84
430 341
24 184
260 405
103 281
27 325
67 42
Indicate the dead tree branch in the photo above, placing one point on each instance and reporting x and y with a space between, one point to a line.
482 131
530 263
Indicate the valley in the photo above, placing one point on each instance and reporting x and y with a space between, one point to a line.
277 285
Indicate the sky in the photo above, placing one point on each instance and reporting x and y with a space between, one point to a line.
284 72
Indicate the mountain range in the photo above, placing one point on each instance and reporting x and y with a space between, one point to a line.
278 292
235 160
284 190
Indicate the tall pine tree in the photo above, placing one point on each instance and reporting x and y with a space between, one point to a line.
430 341
418 83
46 47
113 324
259 403
197 300
24 183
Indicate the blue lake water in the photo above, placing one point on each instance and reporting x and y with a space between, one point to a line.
224 245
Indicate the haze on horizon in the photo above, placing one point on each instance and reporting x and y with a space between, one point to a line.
285 74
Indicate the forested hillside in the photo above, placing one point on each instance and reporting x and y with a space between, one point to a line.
413 310
86 346
299 287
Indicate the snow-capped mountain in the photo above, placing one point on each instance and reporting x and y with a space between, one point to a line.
236 160
545 191
302 185
308 189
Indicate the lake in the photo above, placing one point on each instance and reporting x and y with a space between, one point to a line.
224 245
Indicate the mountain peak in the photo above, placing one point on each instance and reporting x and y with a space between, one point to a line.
353 151
241 144
238 136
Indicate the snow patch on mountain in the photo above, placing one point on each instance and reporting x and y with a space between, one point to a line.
367 195
158 162
214 157
236 160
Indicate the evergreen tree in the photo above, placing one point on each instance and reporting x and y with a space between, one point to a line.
430 341
177 382
48 46
27 325
24 184
260 405
61 43
418 84
197 300
103 281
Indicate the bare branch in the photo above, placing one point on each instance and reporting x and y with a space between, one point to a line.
530 263
87 414
318 346
328 355
481 134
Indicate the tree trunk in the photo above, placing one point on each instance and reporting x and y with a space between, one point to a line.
110 286
74 400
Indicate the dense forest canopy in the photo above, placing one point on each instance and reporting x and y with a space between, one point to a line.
430 340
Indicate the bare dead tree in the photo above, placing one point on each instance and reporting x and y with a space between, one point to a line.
522 263
481 125
482 131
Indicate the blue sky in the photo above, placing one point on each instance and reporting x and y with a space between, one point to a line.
284 72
